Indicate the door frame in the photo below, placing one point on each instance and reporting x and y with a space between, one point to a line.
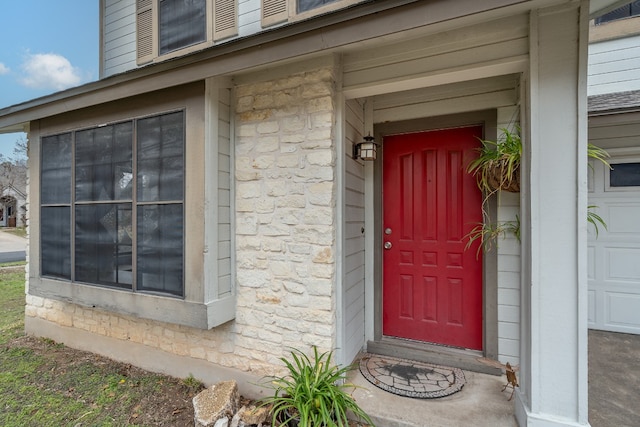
487 119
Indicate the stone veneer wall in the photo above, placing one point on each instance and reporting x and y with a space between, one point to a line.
285 238
286 210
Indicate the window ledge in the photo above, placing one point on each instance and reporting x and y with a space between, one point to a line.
145 306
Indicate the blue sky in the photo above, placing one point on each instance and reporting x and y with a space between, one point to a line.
45 46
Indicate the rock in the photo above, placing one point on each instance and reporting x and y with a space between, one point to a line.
253 415
214 406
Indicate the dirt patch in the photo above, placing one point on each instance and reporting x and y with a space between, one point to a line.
121 393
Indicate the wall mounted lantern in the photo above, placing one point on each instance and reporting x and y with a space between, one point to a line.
365 150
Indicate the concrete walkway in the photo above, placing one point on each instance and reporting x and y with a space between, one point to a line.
614 379
12 247
614 393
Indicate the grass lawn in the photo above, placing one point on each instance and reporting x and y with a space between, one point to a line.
18 231
43 383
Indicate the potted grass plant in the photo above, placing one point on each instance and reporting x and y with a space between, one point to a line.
497 168
312 393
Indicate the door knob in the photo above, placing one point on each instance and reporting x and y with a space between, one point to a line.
387 245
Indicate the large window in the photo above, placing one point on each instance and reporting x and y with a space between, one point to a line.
112 205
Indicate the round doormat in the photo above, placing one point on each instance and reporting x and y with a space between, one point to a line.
411 379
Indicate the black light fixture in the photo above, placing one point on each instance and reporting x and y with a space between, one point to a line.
365 150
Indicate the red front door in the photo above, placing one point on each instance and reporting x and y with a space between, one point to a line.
432 286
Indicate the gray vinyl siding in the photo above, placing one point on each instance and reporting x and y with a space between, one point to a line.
614 66
508 264
623 134
354 244
119 37
447 52
119 32
248 17
224 193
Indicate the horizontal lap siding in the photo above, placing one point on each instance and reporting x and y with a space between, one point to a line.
353 247
119 41
224 193
459 49
614 66
248 17
447 99
615 135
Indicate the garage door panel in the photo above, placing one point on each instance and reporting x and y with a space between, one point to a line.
592 308
623 264
621 310
591 262
624 218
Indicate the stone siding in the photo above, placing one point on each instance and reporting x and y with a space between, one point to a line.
285 238
286 211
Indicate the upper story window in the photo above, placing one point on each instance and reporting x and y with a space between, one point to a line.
304 5
182 23
278 11
627 11
167 26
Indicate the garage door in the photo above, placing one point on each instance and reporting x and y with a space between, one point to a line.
614 254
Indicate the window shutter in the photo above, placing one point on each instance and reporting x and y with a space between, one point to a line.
274 12
225 19
144 31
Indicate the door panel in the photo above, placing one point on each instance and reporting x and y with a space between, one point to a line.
432 287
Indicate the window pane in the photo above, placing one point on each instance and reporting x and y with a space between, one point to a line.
55 241
103 244
623 12
160 158
182 23
160 246
304 5
55 182
103 163
624 175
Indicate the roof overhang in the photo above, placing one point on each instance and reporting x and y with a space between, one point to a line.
360 25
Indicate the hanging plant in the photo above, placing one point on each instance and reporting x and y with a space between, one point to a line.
498 165
497 168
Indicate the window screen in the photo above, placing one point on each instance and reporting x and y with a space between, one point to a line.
627 11
624 175
125 215
182 24
55 210
304 5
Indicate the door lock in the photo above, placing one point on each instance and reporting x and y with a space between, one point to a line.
387 245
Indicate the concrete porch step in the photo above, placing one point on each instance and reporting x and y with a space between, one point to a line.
480 403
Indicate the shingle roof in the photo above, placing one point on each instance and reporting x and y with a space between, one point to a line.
614 102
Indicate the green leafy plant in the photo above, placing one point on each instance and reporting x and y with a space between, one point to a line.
595 219
312 393
488 233
496 168
498 165
597 153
